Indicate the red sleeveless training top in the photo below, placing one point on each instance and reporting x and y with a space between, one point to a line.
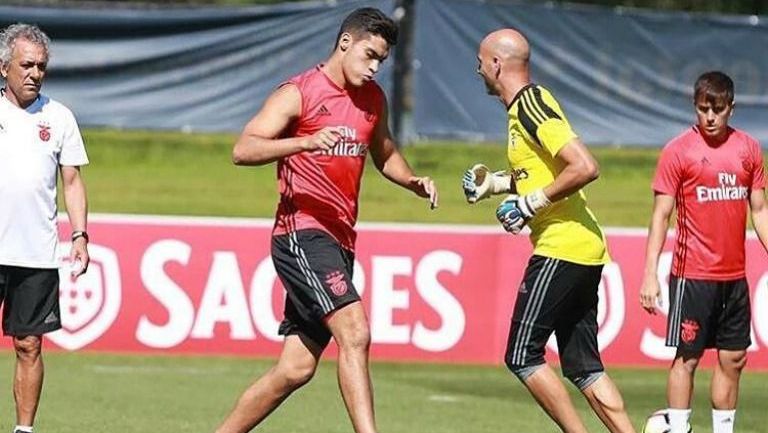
320 189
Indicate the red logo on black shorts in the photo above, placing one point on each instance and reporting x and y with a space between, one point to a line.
44 132
689 329
335 281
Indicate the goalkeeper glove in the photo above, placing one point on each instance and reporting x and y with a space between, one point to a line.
479 183
509 214
515 211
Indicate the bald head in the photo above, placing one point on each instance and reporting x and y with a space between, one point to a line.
503 63
509 45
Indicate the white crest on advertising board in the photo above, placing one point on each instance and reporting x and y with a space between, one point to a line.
90 304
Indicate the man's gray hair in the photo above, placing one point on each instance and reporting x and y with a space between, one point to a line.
14 32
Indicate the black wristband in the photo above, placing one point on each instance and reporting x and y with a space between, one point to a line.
80 234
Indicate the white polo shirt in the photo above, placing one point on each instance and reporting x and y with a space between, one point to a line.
34 142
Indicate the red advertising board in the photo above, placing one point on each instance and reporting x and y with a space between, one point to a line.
433 293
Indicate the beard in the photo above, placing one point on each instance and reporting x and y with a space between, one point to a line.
489 88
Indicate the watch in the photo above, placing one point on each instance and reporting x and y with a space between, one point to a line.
80 234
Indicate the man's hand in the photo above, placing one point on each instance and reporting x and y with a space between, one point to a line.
649 294
424 187
324 139
515 211
78 257
509 214
479 183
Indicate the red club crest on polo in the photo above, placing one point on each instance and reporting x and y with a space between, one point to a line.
44 131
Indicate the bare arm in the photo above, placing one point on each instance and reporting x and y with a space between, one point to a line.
391 163
580 169
759 210
663 205
259 144
77 209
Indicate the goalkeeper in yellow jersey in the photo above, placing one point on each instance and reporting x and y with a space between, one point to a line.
549 165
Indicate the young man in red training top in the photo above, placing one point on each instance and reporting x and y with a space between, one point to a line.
319 126
711 172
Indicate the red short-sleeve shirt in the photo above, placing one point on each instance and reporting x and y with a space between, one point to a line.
711 186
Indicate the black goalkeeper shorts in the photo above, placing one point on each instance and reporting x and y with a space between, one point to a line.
561 297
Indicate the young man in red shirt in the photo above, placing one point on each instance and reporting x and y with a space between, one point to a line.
319 126
711 172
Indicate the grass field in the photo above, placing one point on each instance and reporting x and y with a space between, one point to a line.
182 174
134 394
170 173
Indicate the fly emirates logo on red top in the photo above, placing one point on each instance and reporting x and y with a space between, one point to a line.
347 145
727 189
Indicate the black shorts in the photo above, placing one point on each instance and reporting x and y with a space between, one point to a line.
30 299
317 274
560 297
705 314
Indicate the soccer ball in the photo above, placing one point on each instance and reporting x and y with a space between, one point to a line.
658 422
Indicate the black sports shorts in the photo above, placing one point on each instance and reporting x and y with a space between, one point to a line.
30 299
317 274
561 297
705 314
